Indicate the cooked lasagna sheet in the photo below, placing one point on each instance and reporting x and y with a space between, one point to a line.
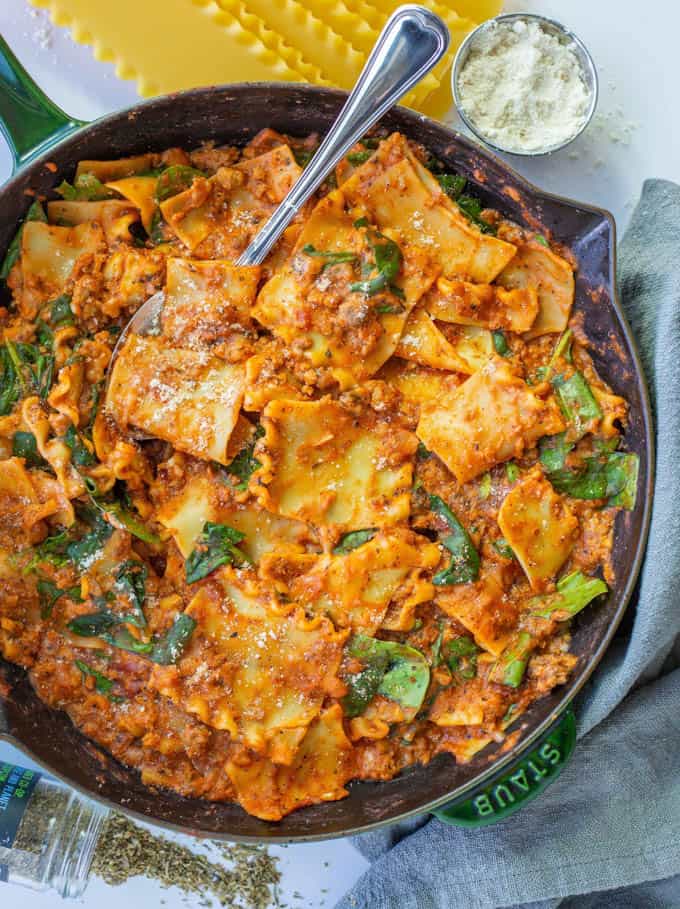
183 396
332 515
361 466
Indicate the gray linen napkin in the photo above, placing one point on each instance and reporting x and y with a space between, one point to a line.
607 832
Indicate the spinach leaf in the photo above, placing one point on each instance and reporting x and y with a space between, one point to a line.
472 209
385 308
117 508
627 466
157 228
577 401
93 624
35 213
331 258
85 188
44 334
500 344
52 550
452 184
215 546
388 260
512 472
562 351
26 370
553 451
512 663
352 540
163 649
24 445
361 222
303 156
610 476
168 647
81 456
244 464
396 671
464 565
49 593
131 581
503 548
174 180
423 452
460 655
360 157
574 592
101 683
60 311
85 551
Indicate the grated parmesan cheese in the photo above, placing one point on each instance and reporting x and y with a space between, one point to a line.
522 87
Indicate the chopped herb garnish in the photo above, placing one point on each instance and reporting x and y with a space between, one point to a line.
215 546
361 222
539 238
354 539
464 565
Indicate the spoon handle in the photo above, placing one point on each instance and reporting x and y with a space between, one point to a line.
411 43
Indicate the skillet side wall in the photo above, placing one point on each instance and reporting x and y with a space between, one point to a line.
233 115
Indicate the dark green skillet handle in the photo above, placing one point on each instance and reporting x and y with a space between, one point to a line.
515 788
30 122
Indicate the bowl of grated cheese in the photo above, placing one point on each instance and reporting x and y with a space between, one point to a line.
524 84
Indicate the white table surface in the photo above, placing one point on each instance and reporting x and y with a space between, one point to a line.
636 134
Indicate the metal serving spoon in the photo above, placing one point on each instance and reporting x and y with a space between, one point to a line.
411 43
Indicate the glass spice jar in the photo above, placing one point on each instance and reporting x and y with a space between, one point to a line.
48 832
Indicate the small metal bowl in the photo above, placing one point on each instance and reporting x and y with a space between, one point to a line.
554 28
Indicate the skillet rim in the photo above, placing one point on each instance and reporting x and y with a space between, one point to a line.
571 689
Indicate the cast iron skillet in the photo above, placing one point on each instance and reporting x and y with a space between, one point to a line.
233 114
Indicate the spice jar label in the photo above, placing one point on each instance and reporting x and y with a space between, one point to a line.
16 787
